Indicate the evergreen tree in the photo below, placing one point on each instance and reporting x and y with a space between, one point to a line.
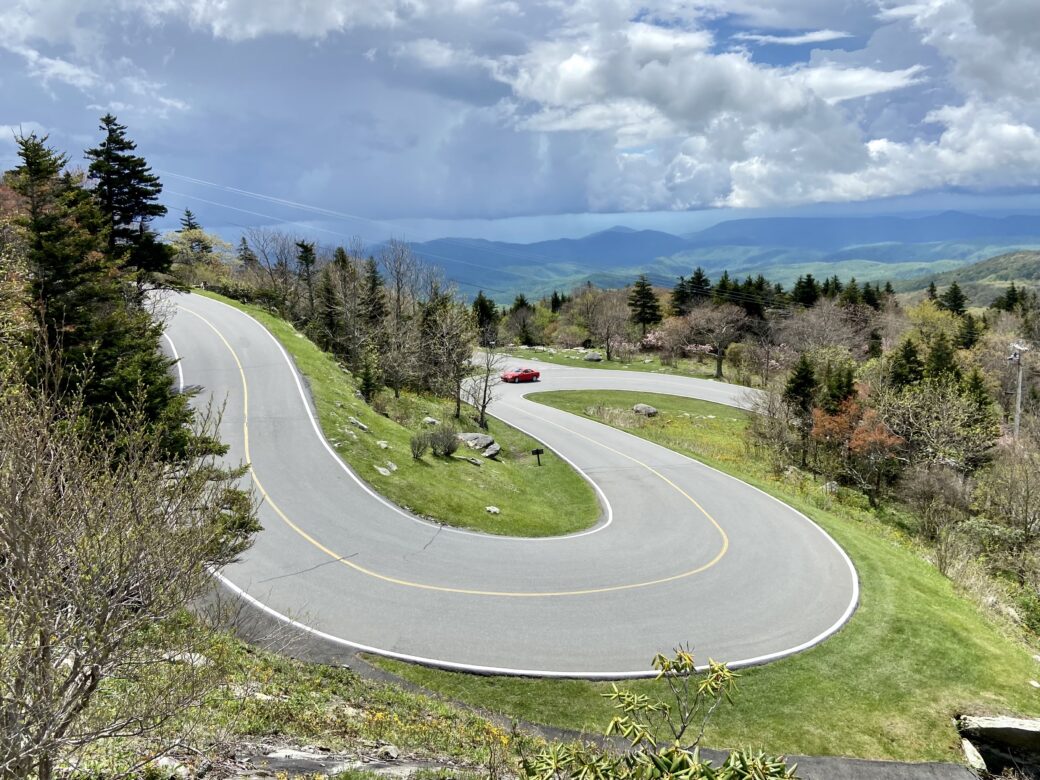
806 291
872 296
188 222
969 333
305 261
839 385
373 296
851 295
246 256
932 294
699 287
941 360
832 287
485 314
723 289
556 302
643 303
127 192
681 303
519 302
1009 300
907 368
97 343
889 290
874 345
800 394
953 300
974 388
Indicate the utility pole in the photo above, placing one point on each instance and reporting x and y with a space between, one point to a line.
1016 360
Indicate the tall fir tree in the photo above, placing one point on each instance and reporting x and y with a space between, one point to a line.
699 287
485 315
643 304
680 302
953 300
800 394
373 296
907 368
188 222
969 333
942 361
246 256
127 192
305 262
931 293
806 291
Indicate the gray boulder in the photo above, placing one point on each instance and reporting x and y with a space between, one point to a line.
1016 732
493 450
645 409
430 421
593 357
492 510
357 423
476 441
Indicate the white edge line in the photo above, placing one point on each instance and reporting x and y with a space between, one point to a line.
389 504
504 671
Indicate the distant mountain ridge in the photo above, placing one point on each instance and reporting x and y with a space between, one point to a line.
780 248
983 282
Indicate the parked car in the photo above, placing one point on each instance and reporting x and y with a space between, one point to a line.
520 375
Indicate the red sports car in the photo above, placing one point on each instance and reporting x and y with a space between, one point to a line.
520 375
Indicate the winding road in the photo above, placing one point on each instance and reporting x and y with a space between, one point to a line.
682 553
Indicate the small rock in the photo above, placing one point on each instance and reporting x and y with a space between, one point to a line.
388 753
261 696
431 421
648 360
476 441
383 471
972 756
391 465
594 357
474 461
383 445
357 423
645 409
492 510
192 659
339 404
1034 683
493 450
830 488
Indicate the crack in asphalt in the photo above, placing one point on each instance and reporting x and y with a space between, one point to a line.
309 568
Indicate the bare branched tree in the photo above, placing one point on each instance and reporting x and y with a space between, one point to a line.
102 545
479 390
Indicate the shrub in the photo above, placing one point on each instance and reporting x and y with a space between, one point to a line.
444 440
420 443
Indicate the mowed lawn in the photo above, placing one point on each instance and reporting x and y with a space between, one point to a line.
915 654
447 490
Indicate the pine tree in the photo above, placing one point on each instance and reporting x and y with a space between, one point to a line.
974 388
699 287
953 300
800 394
97 344
188 222
305 260
932 294
680 303
969 333
907 368
520 302
874 344
806 291
556 302
643 303
839 385
485 314
246 256
127 192
374 296
941 360
1008 300
723 289
872 296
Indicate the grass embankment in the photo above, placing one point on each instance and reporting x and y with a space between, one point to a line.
915 654
448 490
258 701
639 362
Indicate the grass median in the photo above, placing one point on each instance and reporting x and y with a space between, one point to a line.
702 369
915 654
450 490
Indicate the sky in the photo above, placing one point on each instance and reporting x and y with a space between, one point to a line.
528 120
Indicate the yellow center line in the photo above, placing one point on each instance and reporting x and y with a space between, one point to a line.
441 588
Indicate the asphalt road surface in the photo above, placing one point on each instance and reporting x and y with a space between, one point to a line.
682 553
